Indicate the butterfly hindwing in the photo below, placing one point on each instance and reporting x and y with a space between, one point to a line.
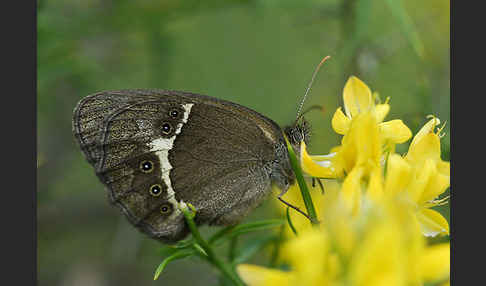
217 160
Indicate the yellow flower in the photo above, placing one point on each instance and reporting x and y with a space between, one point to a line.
376 238
421 176
365 135
358 156
367 142
380 258
392 250
382 247
358 99
424 154
360 147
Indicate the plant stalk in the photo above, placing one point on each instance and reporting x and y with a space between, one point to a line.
311 211
211 257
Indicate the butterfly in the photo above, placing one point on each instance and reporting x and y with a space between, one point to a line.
155 150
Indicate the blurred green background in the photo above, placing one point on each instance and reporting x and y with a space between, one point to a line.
260 54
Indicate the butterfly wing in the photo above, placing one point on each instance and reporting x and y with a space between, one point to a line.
154 149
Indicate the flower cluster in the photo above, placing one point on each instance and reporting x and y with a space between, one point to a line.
376 212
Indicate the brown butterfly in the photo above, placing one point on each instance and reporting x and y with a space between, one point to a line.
157 149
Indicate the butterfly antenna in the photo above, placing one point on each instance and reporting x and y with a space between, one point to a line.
309 86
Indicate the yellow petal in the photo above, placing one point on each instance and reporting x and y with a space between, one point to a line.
426 129
435 264
381 111
340 123
351 190
296 251
333 267
367 140
254 275
312 242
444 168
338 162
379 259
375 185
361 146
432 222
428 183
357 97
398 174
437 184
420 180
319 169
395 131
346 154
428 147
343 234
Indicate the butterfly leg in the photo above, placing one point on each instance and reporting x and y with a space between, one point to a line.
290 205
314 179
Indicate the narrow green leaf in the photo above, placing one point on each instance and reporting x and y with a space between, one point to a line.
199 249
186 243
233 231
291 225
255 226
178 255
170 249
311 211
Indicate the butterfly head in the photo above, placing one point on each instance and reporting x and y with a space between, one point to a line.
297 133
283 174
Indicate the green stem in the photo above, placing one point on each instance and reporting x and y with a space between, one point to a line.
311 211
175 256
211 257
291 225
